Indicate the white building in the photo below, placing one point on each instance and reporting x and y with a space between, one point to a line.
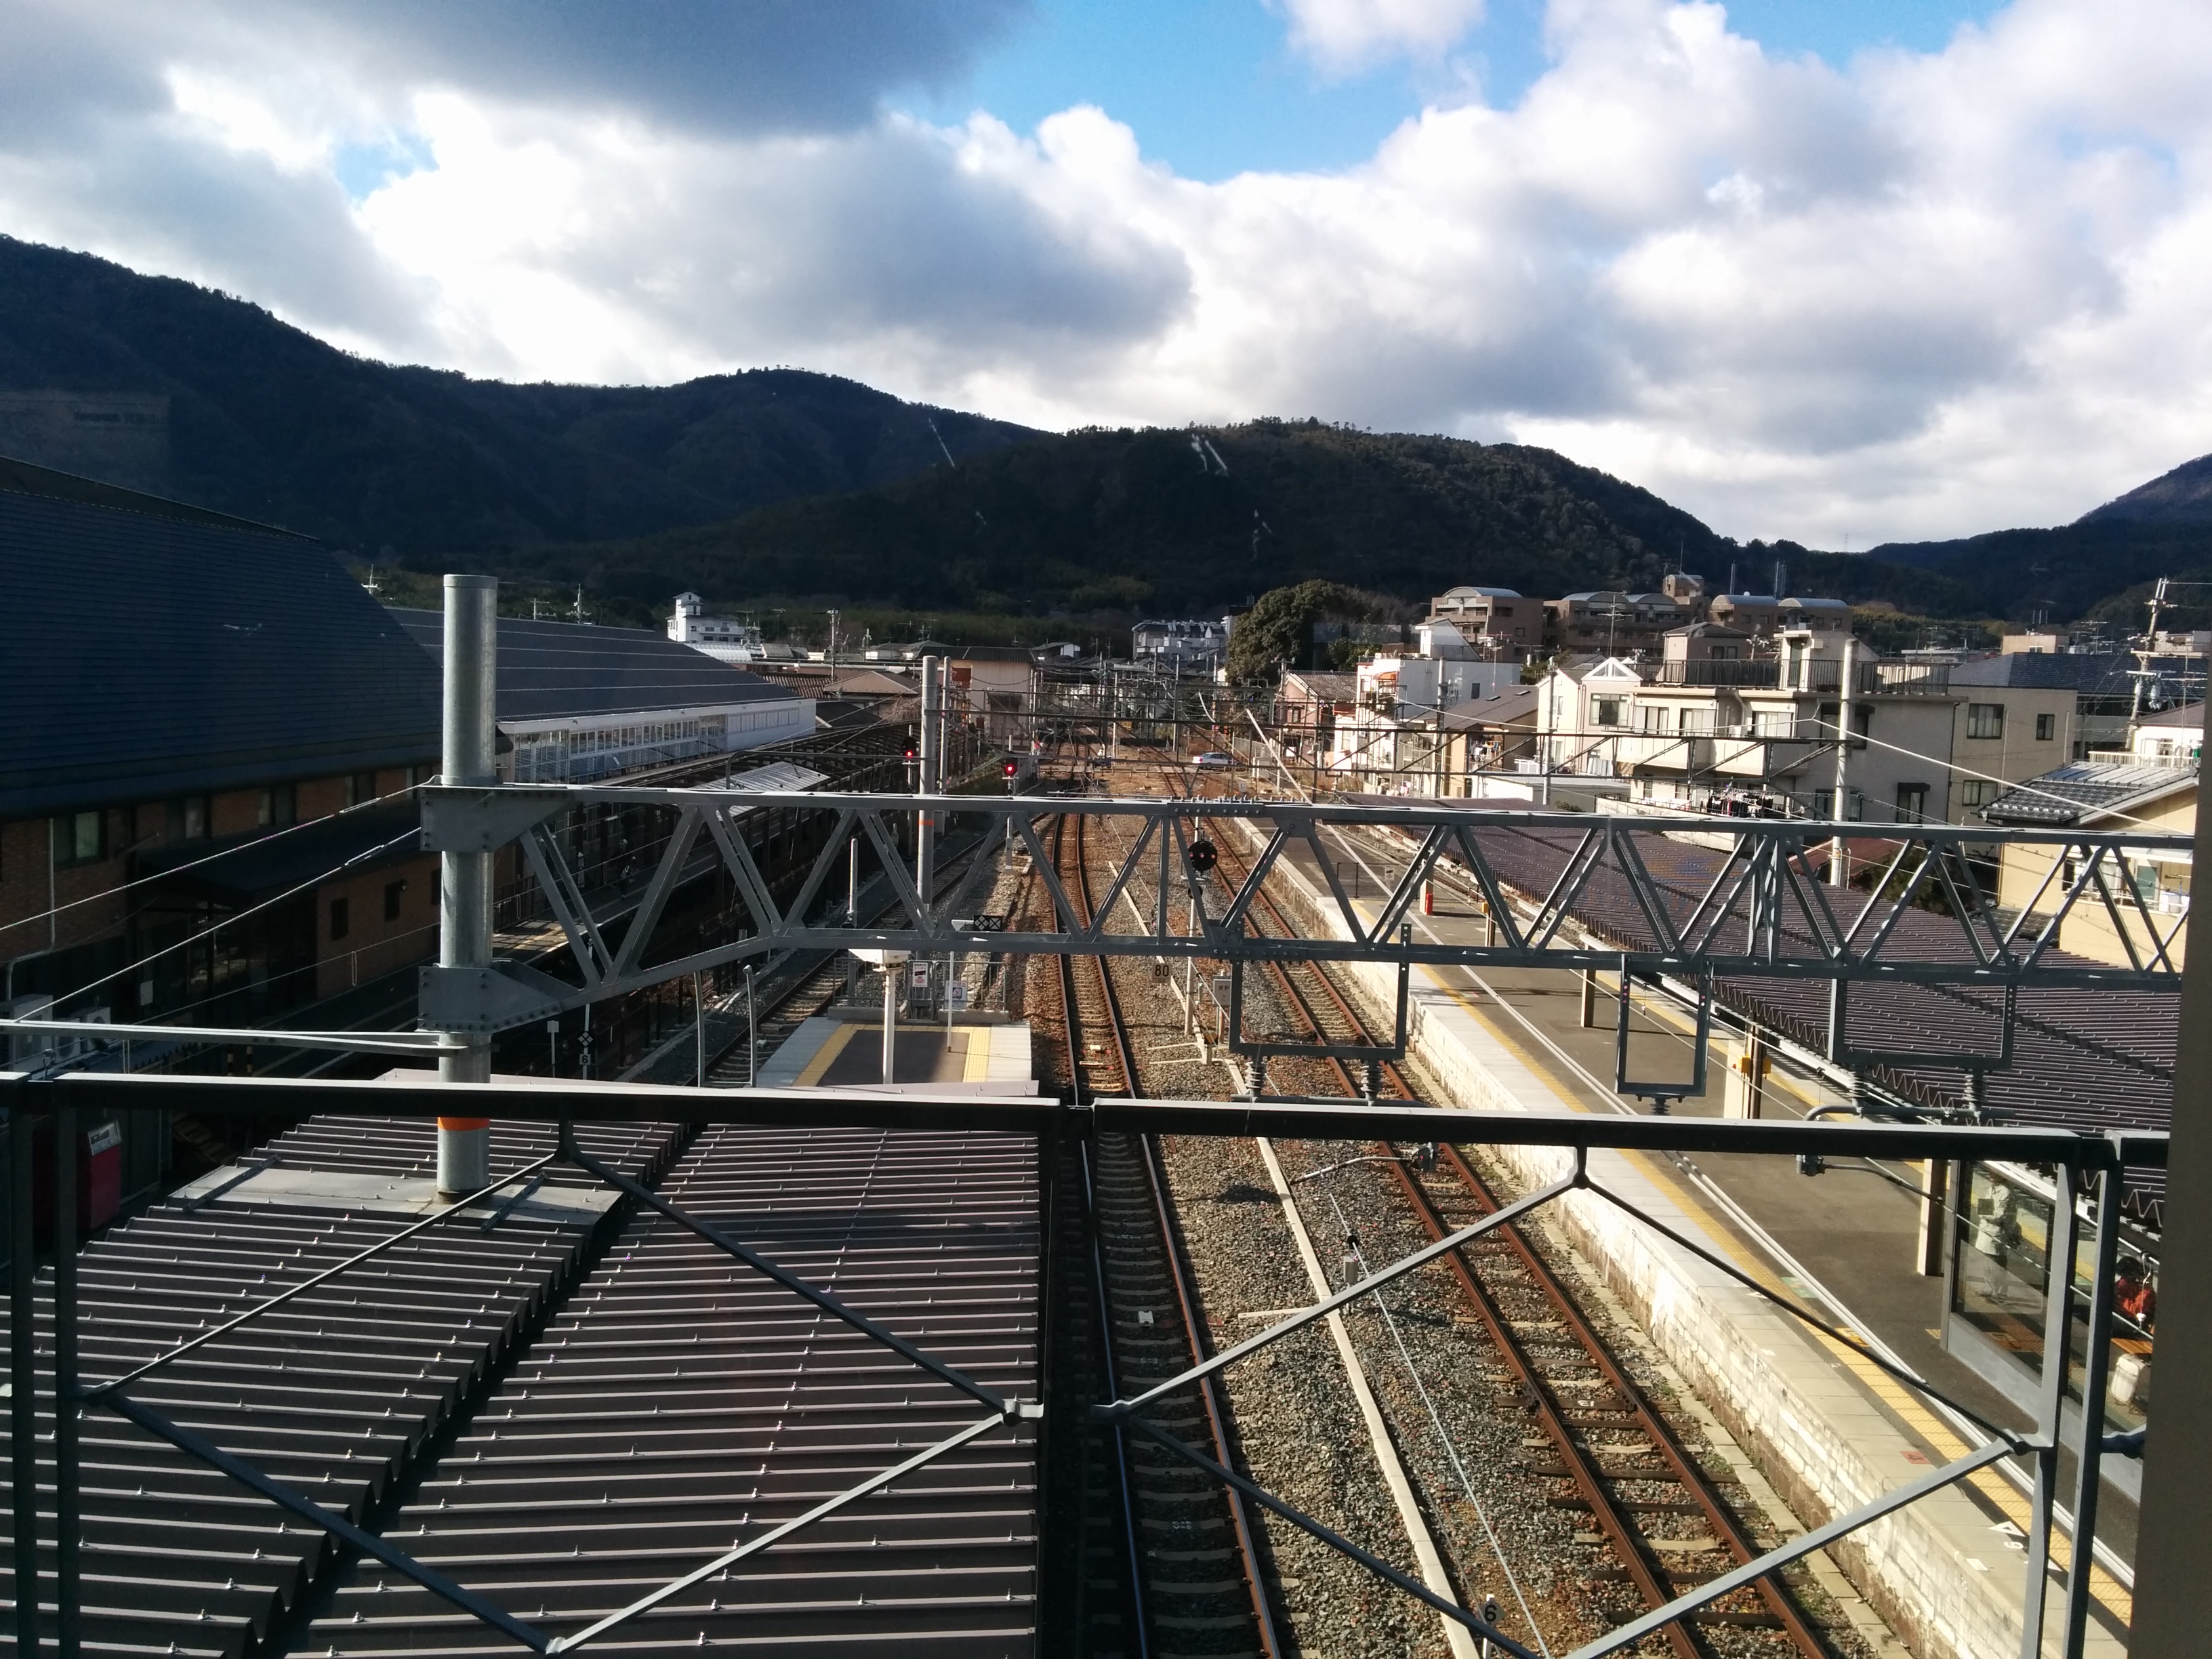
1181 647
719 637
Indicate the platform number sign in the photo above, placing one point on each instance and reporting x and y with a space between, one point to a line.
1204 855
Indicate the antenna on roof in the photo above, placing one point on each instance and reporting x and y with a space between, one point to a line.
582 614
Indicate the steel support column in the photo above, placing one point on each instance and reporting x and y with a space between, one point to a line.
464 877
22 1369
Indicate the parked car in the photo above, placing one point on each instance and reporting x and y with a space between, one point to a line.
1213 761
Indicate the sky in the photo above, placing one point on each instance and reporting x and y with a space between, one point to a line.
1838 270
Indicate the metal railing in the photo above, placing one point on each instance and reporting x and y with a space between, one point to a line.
2083 1163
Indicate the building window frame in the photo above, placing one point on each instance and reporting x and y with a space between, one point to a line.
79 838
1985 719
2046 728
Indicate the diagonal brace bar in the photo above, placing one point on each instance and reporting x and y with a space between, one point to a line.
1804 1544
791 1281
1122 1409
186 1440
874 1483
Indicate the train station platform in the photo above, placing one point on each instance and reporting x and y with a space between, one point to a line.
975 1054
1828 1430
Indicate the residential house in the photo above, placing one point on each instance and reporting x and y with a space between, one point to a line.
1609 624
1756 614
2173 736
1495 620
2121 913
1194 648
2103 686
1714 728
1308 704
1491 734
994 687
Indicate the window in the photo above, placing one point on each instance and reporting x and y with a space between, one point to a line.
79 838
1606 711
1985 719
1975 793
188 818
1824 804
1912 803
2046 728
1655 717
277 808
393 892
340 921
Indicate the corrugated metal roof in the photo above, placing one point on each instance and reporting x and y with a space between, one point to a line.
549 669
681 1403
152 657
335 1393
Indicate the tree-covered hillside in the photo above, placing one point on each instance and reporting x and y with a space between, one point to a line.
268 423
1173 521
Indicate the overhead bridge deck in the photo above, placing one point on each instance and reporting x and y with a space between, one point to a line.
558 1419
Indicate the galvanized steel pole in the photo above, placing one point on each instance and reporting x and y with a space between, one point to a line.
2173 1591
933 764
1839 852
465 879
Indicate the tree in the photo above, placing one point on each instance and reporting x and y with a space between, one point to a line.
1276 632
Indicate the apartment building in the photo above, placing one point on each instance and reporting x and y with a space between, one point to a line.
1713 726
1494 621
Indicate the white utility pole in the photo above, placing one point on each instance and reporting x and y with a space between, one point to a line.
471 674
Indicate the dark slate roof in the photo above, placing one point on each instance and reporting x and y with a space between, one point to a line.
2192 717
551 671
2086 789
2057 670
155 651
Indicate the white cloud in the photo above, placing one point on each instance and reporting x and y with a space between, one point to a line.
1930 294
1346 35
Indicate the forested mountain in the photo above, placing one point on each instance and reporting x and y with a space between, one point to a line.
268 423
1175 521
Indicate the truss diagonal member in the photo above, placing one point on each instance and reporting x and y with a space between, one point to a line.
541 850
197 1445
874 1483
1985 912
895 869
1552 914
1962 910
2096 872
1874 893
1648 898
1063 909
1124 1409
2012 1440
1310 832
824 861
1493 896
791 1282
1336 1540
1104 909
1812 896
1717 907
1903 902
2072 892
738 859
97 1393
1417 871
1233 919
1627 1635
647 916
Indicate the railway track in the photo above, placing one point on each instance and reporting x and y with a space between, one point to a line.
1175 1548
1646 1494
